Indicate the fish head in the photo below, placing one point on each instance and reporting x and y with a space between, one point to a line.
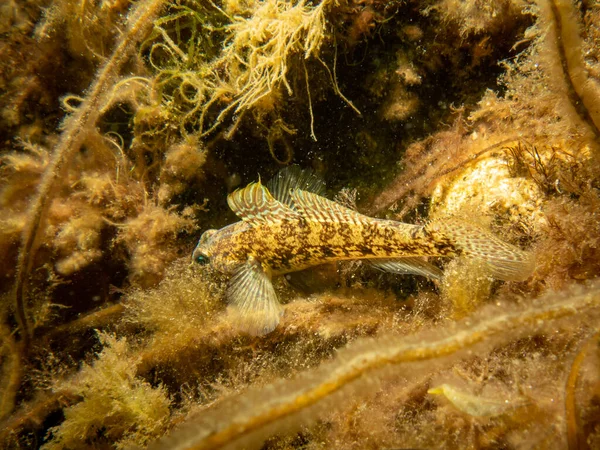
205 248
215 249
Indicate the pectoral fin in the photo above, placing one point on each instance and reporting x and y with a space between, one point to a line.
411 265
256 308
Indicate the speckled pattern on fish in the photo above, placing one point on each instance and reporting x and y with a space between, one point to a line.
293 229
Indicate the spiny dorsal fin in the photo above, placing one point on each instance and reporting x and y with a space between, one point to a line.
315 207
294 177
255 203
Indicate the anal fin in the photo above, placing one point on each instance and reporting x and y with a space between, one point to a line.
410 265
254 301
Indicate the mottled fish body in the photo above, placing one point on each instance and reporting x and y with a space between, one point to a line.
293 242
286 228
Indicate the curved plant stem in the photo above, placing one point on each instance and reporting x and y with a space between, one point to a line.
12 368
570 405
93 320
569 48
258 409
34 414
77 128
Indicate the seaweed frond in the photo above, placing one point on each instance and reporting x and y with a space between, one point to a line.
111 395
265 49
114 339
564 51
244 420
76 129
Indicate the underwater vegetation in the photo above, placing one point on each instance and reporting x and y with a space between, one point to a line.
125 125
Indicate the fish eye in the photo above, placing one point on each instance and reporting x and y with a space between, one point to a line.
202 259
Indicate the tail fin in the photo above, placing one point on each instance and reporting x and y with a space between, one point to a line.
501 259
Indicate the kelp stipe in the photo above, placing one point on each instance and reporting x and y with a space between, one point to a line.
564 52
244 419
76 129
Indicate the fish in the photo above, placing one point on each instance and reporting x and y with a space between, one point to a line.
288 226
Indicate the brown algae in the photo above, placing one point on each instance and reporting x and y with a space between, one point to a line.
124 127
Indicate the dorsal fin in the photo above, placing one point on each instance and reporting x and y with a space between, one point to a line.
255 203
294 177
315 207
